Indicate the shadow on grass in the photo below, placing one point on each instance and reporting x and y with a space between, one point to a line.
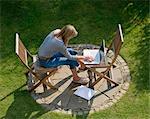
142 56
13 92
135 14
23 107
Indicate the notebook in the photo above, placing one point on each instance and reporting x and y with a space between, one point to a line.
84 92
97 54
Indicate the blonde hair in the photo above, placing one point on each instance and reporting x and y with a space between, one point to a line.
67 32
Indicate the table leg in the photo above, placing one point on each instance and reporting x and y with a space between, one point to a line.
90 77
94 76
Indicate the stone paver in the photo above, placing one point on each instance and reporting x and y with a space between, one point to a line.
65 101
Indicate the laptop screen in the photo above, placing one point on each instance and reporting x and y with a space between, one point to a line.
97 54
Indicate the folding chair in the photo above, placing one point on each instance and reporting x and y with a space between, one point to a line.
31 62
107 74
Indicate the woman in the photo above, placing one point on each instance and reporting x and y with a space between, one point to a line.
53 52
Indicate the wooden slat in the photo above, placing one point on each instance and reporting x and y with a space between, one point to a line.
117 42
121 34
97 65
17 42
21 50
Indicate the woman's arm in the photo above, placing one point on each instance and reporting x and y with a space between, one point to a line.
79 57
65 52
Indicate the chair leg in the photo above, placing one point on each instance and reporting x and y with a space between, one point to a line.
101 75
95 82
45 87
90 77
109 79
44 82
94 77
108 82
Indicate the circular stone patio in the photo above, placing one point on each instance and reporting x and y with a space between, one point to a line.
63 100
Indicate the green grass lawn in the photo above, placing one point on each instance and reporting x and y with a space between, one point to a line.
95 20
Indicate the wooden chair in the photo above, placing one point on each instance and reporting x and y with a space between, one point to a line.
107 74
31 62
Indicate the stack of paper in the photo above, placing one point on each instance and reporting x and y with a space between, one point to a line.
84 92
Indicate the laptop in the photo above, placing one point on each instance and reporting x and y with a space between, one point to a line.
97 54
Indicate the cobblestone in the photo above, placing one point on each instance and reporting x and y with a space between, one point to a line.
65 101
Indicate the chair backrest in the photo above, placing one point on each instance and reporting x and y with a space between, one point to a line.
22 52
118 40
116 43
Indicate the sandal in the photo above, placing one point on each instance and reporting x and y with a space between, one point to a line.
82 81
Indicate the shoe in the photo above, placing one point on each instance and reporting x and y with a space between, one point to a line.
82 81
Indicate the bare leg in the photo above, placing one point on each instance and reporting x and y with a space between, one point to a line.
78 79
75 75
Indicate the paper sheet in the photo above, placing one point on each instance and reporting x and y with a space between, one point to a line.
84 92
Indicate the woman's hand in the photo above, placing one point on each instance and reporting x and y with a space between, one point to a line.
81 60
85 58
88 58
